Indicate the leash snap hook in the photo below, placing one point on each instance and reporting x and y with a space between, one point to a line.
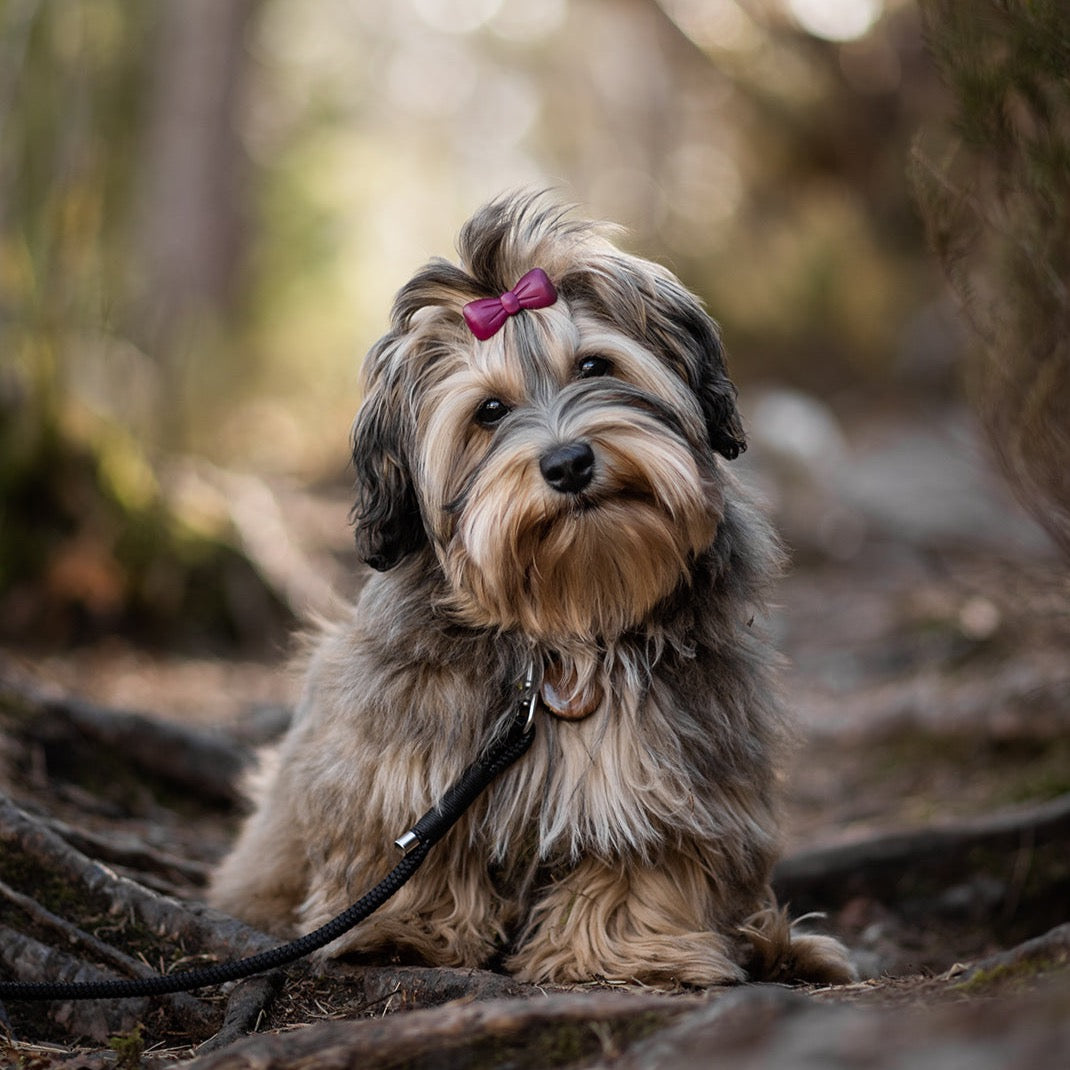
528 701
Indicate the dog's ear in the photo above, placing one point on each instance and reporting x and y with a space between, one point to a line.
677 322
715 391
672 322
386 515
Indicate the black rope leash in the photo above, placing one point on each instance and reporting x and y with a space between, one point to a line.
415 843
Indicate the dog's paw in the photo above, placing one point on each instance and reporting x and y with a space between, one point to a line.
696 959
816 959
780 953
413 940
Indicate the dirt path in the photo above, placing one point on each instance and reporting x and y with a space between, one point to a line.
927 814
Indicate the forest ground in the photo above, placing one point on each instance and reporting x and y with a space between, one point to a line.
927 815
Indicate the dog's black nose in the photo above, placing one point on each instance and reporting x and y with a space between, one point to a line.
568 468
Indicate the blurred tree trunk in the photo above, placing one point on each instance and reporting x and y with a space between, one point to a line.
190 233
121 188
995 197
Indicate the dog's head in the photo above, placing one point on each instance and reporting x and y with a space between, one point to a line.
562 465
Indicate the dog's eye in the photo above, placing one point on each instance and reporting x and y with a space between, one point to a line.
593 367
491 412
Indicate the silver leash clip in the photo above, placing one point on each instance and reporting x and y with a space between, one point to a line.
529 697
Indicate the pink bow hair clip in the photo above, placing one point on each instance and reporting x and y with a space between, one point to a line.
486 316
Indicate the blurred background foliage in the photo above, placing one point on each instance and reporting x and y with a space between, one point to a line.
206 207
994 190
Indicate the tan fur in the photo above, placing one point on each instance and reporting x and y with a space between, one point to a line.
636 842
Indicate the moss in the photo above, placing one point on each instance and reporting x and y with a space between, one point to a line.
1036 773
89 911
53 891
1006 976
128 1048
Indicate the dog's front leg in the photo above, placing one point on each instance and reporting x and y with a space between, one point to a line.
264 878
446 915
629 921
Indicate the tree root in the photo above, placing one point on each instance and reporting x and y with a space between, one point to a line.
536 1033
206 765
54 869
248 1003
896 866
30 960
1042 954
132 853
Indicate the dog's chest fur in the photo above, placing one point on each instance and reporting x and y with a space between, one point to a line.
680 733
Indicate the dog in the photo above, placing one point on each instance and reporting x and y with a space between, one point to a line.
540 473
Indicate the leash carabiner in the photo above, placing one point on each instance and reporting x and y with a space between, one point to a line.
529 697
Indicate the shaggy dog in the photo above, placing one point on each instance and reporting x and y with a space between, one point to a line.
540 482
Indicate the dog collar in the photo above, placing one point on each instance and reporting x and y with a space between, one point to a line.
486 316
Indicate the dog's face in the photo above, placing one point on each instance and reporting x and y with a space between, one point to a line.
563 469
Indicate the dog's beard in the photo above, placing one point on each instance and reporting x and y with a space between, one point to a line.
588 566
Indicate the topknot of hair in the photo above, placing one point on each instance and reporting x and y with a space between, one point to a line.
517 232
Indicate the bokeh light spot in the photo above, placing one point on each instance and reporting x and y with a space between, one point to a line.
836 20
